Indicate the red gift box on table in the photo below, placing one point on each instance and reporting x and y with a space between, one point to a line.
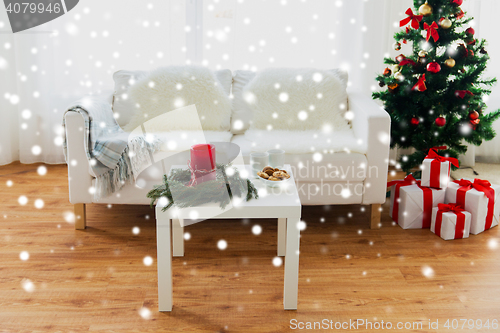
480 198
411 203
436 169
450 221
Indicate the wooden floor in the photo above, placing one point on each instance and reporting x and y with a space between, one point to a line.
96 280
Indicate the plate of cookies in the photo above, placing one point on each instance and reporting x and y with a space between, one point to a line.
273 176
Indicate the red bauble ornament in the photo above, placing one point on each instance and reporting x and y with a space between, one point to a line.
434 67
414 121
457 2
470 31
440 121
473 115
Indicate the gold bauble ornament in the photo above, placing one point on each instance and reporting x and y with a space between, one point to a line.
450 63
425 9
399 76
422 54
446 23
395 68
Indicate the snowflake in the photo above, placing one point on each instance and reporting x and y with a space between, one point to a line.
256 229
24 255
222 244
148 261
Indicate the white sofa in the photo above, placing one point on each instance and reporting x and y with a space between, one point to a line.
319 182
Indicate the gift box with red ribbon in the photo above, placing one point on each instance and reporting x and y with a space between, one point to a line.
450 221
411 203
480 198
436 169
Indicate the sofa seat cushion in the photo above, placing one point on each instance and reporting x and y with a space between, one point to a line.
299 142
175 142
331 167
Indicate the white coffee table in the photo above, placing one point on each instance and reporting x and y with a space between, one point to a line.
283 204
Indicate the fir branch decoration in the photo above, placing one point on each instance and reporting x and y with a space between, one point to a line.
221 190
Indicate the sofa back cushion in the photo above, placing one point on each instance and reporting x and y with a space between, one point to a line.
297 99
242 111
124 107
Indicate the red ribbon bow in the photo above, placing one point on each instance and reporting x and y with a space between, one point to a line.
481 186
435 156
454 208
462 93
432 31
415 19
420 85
407 61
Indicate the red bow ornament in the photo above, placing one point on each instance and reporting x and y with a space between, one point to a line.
420 85
415 19
432 31
462 93
407 61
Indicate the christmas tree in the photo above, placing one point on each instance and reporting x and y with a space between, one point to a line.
435 95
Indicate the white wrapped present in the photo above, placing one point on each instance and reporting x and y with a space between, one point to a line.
480 198
415 205
450 221
436 169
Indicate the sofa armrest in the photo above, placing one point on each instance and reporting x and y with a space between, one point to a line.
372 124
79 178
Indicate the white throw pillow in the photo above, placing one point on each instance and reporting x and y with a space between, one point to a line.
169 88
297 100
242 114
124 108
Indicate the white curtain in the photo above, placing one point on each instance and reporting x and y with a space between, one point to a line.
44 69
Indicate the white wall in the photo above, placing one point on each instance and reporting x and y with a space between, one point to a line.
101 37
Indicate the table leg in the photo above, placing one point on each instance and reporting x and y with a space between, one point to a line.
178 237
281 237
164 262
291 287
